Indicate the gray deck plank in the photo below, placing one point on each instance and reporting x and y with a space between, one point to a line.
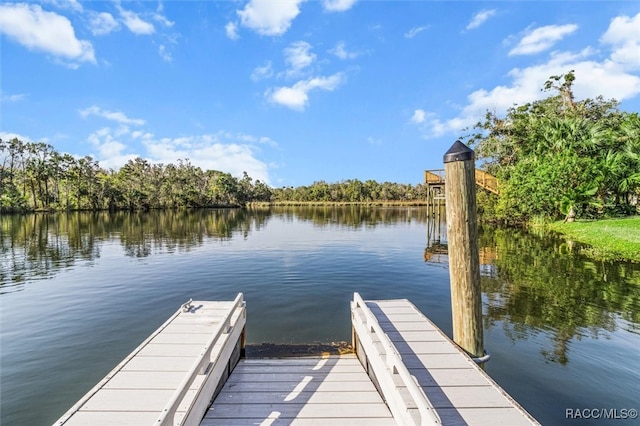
305 361
145 380
138 390
298 411
281 421
171 349
128 400
290 377
298 369
335 390
180 339
110 418
358 386
159 363
460 392
307 397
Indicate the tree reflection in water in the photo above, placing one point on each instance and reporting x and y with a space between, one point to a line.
532 284
545 285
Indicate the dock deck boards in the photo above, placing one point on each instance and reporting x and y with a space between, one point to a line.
405 371
138 390
333 390
460 392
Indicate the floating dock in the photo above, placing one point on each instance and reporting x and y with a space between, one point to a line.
190 371
170 378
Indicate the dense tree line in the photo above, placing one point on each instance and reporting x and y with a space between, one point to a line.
352 191
561 157
34 176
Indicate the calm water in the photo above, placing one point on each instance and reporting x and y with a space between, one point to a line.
79 291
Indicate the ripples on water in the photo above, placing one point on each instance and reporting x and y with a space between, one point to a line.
80 291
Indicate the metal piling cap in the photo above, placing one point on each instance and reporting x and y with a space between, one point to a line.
458 152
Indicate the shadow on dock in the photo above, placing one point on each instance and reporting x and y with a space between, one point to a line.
416 367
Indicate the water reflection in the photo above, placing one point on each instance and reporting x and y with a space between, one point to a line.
532 284
436 248
37 246
555 321
353 216
542 287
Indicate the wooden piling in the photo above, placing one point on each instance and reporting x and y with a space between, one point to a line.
462 238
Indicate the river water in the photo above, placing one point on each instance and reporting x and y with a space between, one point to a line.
80 291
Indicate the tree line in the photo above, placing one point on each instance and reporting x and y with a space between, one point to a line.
36 177
351 191
560 157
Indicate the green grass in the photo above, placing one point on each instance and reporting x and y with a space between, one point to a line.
610 239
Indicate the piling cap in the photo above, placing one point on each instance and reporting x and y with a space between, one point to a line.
458 152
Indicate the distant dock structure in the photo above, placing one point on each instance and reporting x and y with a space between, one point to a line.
435 181
192 371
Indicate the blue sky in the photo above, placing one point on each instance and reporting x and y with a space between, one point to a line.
296 91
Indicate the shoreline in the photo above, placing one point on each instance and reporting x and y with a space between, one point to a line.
606 239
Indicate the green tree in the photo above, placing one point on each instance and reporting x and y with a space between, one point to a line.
560 156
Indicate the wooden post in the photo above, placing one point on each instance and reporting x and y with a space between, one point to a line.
462 237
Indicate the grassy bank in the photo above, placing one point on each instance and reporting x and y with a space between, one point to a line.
609 239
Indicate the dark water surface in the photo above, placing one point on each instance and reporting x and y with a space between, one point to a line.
80 291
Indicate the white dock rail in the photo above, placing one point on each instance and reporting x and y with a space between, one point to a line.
171 378
401 349
389 370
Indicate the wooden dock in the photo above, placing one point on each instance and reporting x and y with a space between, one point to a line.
435 179
403 350
170 378
405 371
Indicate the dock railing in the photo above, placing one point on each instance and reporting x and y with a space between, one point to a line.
213 368
388 366
482 178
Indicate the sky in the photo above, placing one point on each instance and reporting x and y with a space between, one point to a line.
294 92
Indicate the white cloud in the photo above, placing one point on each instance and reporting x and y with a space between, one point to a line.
230 152
418 116
243 137
159 16
102 23
7 136
592 79
296 97
338 5
232 30
110 153
134 23
542 38
208 152
414 31
480 18
623 35
164 54
117 116
263 72
298 56
267 17
341 51
65 4
12 98
44 31
373 141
